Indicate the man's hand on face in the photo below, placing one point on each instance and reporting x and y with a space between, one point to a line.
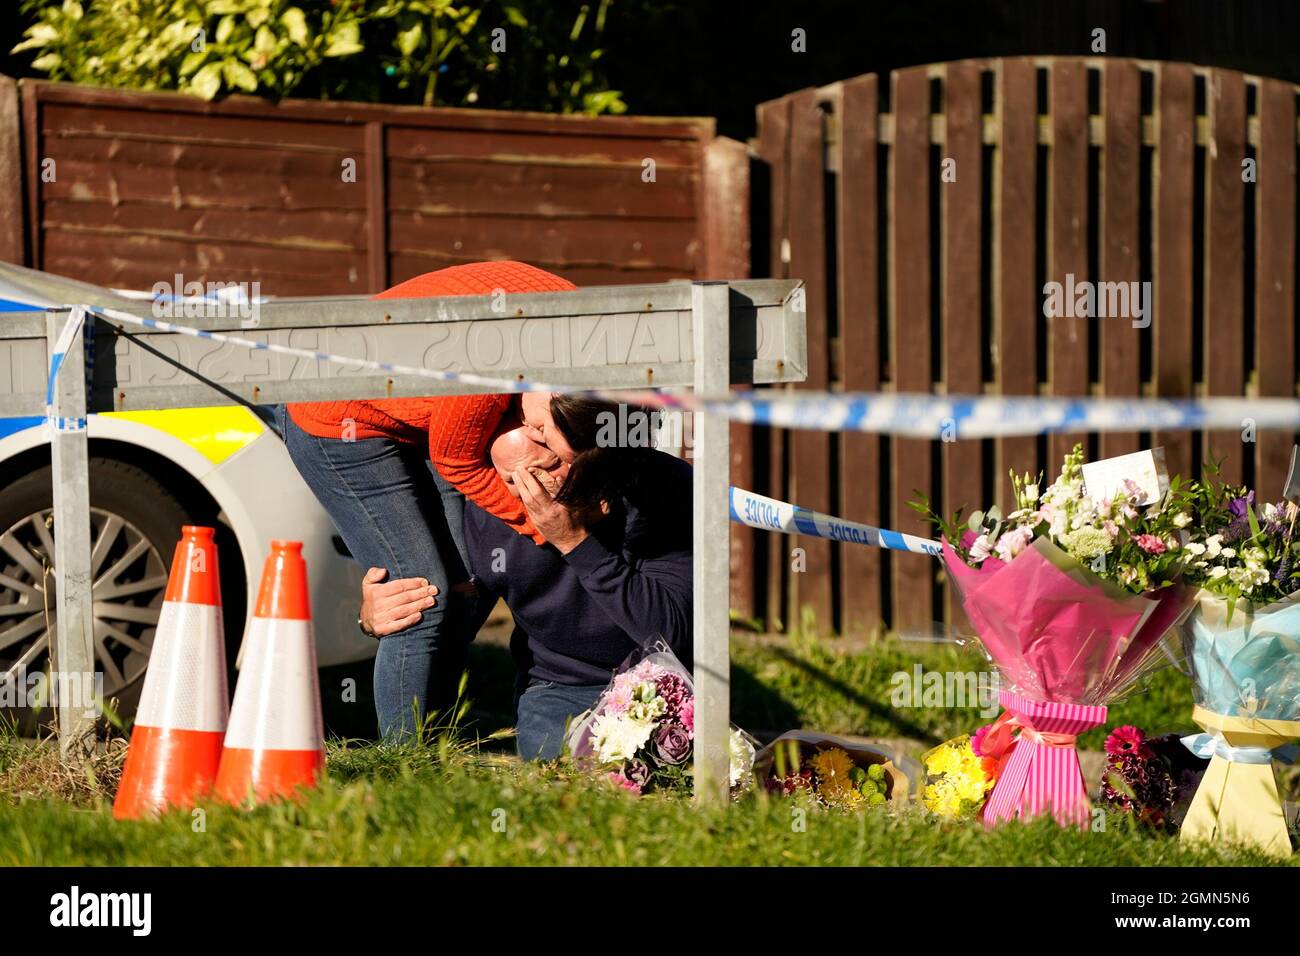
393 606
558 524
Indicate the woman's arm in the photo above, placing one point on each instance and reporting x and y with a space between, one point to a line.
460 430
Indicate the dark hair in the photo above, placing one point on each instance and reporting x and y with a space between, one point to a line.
579 418
597 474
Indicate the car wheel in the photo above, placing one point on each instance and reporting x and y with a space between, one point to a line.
135 524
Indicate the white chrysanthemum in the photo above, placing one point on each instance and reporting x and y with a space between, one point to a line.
1213 546
619 738
1182 519
1248 578
1195 547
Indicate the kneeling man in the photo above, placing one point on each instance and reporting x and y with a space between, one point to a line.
615 573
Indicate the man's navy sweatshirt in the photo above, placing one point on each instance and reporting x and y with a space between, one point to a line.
579 615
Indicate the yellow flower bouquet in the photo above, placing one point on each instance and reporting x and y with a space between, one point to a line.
957 779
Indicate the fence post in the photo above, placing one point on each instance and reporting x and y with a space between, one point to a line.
711 330
73 657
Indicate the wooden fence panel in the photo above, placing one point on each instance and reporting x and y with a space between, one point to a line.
1068 334
962 286
810 451
1171 322
1120 353
1225 329
13 221
1275 262
309 197
773 146
994 230
1017 304
861 571
909 321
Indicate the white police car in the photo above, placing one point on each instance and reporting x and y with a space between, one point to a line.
150 473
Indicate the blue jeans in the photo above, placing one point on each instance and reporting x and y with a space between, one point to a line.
394 511
542 714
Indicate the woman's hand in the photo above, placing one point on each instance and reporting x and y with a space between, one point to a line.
559 525
393 606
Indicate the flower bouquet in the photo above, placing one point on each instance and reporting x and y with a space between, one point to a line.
641 733
1070 596
832 772
1242 642
1150 779
958 778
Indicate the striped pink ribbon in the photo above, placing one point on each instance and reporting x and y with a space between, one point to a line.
1042 776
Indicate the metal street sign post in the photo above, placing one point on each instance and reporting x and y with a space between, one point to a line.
706 335
74 654
711 566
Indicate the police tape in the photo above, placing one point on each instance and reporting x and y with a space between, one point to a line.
748 508
940 417
72 325
954 417
768 514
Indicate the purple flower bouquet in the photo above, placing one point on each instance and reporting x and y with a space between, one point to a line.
641 733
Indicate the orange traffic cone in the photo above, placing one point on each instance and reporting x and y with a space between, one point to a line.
275 743
176 742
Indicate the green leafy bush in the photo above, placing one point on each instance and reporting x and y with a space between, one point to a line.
496 53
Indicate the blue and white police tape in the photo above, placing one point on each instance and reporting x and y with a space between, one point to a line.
942 417
758 511
952 417
67 335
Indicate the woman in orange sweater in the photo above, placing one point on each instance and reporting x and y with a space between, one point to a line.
392 474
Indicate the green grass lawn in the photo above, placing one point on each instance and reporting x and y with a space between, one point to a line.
394 808
459 804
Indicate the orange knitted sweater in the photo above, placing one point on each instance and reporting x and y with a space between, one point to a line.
458 428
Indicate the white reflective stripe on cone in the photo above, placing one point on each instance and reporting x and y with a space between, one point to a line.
277 696
185 683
